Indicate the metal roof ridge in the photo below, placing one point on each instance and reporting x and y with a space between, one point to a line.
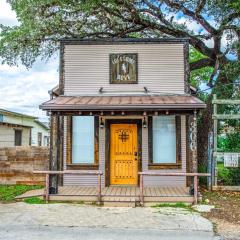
128 95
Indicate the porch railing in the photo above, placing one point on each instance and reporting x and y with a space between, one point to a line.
194 175
73 172
141 174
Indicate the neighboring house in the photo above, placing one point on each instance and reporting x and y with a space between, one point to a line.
124 107
18 129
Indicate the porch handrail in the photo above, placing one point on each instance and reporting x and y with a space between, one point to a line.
82 172
194 175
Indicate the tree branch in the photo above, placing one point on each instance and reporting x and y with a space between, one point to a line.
204 62
200 6
199 18
230 18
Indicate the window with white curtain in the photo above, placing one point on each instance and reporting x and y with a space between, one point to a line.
163 139
83 140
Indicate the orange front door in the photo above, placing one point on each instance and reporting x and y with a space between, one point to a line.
123 154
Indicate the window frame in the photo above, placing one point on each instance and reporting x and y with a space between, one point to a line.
178 164
82 166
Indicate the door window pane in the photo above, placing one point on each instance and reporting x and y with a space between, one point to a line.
83 140
164 139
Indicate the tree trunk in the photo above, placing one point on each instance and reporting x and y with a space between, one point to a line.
205 125
223 90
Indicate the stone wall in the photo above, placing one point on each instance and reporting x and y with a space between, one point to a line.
18 163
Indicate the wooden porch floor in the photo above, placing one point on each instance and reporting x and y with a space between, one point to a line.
118 195
123 194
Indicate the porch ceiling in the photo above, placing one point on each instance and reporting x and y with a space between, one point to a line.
143 102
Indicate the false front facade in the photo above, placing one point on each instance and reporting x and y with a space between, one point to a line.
123 108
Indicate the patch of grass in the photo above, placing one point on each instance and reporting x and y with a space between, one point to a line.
180 205
173 205
9 192
34 200
37 200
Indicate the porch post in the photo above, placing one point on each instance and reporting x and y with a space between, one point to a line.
194 143
60 148
53 165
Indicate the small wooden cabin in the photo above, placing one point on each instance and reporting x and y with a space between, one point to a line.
123 107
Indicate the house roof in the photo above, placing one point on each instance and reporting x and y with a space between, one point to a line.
10 113
54 91
17 115
44 125
123 102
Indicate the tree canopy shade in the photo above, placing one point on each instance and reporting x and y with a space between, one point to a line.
212 26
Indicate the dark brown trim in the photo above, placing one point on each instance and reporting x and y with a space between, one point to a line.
69 140
186 68
108 122
61 70
150 141
54 151
82 167
119 113
178 164
60 148
107 41
178 139
152 166
72 166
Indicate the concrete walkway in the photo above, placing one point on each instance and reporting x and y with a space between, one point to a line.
74 221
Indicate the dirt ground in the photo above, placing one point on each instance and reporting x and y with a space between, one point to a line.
226 215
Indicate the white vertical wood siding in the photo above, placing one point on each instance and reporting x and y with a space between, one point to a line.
148 180
160 68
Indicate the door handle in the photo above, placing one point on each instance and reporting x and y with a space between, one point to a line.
136 156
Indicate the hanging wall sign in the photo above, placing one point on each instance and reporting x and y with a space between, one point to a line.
123 68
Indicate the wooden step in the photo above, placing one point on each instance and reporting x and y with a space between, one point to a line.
187 199
72 198
119 204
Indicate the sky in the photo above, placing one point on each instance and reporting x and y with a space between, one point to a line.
23 90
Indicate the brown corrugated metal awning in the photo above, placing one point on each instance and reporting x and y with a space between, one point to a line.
123 102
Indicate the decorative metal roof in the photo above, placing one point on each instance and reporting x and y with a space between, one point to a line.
143 102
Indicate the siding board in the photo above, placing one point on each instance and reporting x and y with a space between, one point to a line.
160 68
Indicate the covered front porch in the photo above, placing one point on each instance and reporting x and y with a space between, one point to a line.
144 144
120 195
124 195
